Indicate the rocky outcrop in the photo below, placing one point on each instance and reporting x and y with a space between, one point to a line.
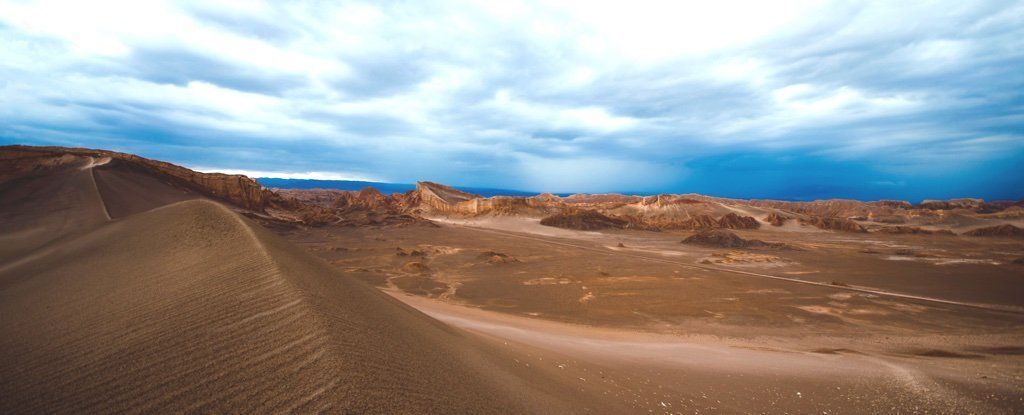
776 219
584 220
660 212
717 238
366 207
834 224
436 199
235 189
372 199
964 203
720 238
826 208
889 219
696 222
1005 231
239 190
894 204
913 230
733 221
704 221
431 192
1008 211
244 193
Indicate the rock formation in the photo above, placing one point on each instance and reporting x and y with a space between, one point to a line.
235 189
704 221
718 238
733 221
696 222
584 220
721 238
965 203
776 219
834 224
368 206
913 230
1004 230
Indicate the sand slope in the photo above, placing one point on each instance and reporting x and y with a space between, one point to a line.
37 209
189 307
126 191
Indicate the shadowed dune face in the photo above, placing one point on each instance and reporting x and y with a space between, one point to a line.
189 307
39 208
126 191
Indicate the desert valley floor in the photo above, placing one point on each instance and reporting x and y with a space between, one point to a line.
704 329
130 286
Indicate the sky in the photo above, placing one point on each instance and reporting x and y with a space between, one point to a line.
752 99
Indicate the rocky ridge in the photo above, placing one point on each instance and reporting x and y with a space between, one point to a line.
318 207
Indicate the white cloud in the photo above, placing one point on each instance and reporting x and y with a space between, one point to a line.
471 85
545 116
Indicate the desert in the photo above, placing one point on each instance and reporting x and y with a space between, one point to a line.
132 285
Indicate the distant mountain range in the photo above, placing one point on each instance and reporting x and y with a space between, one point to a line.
385 188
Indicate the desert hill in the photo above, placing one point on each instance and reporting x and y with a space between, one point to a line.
697 212
132 285
125 290
137 177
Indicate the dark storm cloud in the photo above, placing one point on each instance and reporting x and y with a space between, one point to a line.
862 99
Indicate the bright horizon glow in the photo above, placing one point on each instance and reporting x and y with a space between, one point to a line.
309 175
789 99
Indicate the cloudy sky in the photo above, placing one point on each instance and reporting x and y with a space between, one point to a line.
894 99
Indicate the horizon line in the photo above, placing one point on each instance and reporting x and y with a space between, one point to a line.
626 193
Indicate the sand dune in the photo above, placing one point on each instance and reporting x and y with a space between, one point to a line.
126 192
189 307
38 209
